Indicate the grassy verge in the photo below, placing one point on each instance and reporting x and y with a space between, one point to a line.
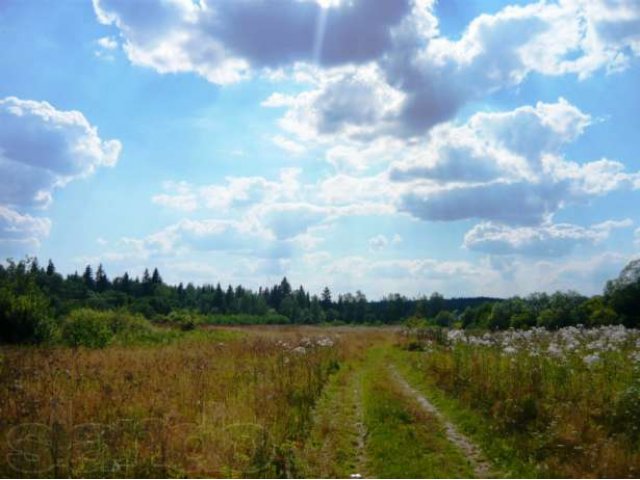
506 457
403 440
332 449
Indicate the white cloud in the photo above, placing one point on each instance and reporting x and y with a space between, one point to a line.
106 46
376 72
505 167
234 193
541 241
288 145
223 41
23 229
381 242
42 149
288 220
108 43
181 197
584 274
377 243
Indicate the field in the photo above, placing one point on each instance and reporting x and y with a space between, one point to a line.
327 402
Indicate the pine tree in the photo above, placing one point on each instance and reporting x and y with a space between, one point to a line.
147 288
156 279
87 278
124 283
285 287
229 299
326 298
51 269
35 267
102 282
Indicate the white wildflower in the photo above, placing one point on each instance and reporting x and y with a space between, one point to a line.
324 342
591 359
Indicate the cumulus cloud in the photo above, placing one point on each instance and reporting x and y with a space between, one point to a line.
181 197
108 43
541 241
423 79
41 149
233 193
380 242
223 41
377 243
284 207
105 47
506 167
16 228
288 145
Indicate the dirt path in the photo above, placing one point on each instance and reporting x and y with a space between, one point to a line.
361 459
481 467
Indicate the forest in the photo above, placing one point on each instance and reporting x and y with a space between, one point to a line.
38 304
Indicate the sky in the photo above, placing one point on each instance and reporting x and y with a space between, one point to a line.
462 146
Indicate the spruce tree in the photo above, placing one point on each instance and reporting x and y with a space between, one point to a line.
87 278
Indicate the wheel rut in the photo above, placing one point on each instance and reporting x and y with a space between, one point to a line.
481 466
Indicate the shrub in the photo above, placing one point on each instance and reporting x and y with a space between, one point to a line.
25 318
87 328
627 412
184 319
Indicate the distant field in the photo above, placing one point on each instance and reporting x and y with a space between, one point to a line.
327 402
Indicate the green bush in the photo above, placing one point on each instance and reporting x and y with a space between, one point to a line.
87 328
627 412
25 318
184 319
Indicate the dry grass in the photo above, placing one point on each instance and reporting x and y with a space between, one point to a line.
568 400
233 408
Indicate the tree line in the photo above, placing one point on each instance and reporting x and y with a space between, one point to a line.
34 299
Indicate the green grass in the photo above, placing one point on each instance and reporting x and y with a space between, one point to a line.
503 452
155 336
332 447
403 440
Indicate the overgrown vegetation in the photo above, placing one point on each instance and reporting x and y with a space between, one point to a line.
403 440
567 400
37 302
226 407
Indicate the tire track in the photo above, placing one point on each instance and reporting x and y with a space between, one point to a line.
481 466
361 459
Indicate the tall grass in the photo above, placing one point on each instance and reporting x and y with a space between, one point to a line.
217 408
570 400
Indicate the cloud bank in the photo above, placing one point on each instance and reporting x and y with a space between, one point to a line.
41 149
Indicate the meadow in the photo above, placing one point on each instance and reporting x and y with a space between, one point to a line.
299 401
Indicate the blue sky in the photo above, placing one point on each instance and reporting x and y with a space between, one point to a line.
466 147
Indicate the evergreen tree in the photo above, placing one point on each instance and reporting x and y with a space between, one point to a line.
229 299
125 284
102 282
156 279
326 298
35 267
146 283
51 269
87 278
285 287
